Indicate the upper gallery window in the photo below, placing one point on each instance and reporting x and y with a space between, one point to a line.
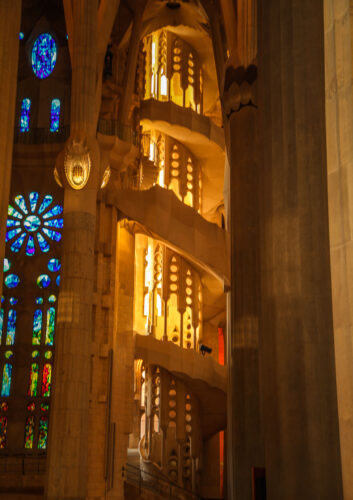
25 114
44 55
54 115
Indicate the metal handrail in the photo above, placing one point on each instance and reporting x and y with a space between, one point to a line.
157 484
118 129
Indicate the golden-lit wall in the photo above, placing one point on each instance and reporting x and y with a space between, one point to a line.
168 294
172 71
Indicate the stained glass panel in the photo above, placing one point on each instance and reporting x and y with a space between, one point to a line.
44 407
33 198
53 235
31 406
25 114
52 299
58 280
46 383
37 327
13 301
11 280
30 249
48 354
12 223
57 210
29 429
43 433
54 265
39 300
32 223
44 55
21 203
45 203
11 327
33 380
6 380
59 223
12 233
16 245
49 334
7 265
12 212
44 245
8 354
43 281
4 406
1 322
54 115
3 427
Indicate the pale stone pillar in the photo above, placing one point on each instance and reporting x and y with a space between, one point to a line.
339 132
123 360
68 430
243 416
296 347
10 17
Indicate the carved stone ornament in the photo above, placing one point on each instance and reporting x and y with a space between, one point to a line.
77 164
106 177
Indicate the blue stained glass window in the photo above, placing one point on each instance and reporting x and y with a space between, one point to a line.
13 301
1 322
49 332
11 327
21 35
17 244
12 223
54 115
30 246
7 265
39 300
57 210
59 223
33 198
25 113
20 201
52 234
6 380
11 234
44 245
32 223
11 211
11 280
54 265
58 280
44 55
43 281
37 327
45 203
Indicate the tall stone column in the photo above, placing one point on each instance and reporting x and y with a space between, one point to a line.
296 348
10 17
79 166
243 416
339 132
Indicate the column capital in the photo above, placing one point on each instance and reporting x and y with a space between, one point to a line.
240 88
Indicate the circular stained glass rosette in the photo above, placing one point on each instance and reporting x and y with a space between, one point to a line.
44 55
32 223
43 281
11 280
52 299
39 300
54 265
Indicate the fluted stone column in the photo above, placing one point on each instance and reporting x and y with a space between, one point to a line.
243 416
68 431
339 130
297 349
10 17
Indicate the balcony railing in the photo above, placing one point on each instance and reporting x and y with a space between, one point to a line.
157 484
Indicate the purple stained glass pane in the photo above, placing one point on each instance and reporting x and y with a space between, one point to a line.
55 115
30 249
44 54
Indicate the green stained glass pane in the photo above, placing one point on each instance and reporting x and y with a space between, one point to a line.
6 380
29 429
37 327
48 355
8 354
46 384
33 380
1 322
35 354
11 327
44 407
43 433
49 334
13 212
3 427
